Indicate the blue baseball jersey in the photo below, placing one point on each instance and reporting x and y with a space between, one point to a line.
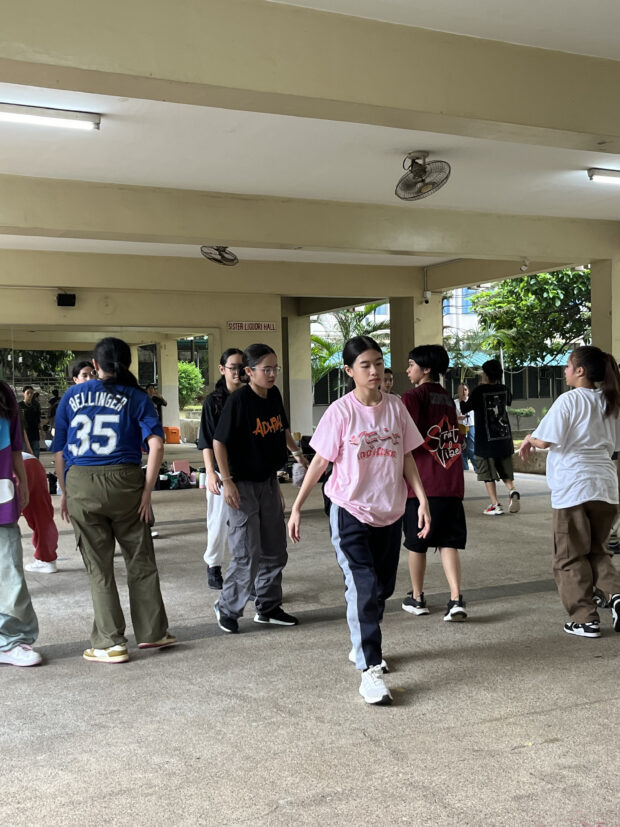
101 423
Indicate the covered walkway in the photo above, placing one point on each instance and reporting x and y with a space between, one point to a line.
502 720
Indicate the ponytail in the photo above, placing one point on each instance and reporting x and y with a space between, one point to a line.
600 368
611 386
114 357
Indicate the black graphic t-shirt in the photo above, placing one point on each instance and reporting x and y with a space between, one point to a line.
493 435
439 457
253 430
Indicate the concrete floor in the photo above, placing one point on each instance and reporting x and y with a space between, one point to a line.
503 720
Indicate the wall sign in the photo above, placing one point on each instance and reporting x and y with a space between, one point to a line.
256 327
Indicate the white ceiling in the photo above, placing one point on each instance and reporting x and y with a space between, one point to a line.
585 28
137 248
152 143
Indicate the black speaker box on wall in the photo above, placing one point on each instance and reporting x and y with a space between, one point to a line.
65 299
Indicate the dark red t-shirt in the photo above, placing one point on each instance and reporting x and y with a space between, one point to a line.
439 457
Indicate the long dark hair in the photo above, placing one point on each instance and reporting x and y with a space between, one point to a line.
601 368
220 391
114 357
252 355
8 404
357 345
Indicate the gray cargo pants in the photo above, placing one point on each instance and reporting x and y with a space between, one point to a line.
257 544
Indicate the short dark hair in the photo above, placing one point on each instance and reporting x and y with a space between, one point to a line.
388 370
80 366
150 385
27 388
434 357
493 369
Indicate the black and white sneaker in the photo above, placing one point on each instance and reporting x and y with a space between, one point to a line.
413 606
515 502
214 578
276 616
456 610
226 624
614 602
600 599
583 629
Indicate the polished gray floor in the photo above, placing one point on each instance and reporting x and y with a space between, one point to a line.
503 720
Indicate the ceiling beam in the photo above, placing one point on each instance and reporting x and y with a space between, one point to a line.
251 55
77 209
467 272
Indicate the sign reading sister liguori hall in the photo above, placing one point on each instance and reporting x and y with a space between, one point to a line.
257 327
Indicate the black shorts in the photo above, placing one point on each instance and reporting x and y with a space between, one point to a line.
448 527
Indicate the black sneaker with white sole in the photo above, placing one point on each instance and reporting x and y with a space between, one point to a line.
583 629
614 602
515 502
456 610
226 623
413 606
214 578
276 616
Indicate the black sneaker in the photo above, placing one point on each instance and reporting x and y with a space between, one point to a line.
214 577
226 624
456 610
277 616
583 629
515 502
413 606
614 602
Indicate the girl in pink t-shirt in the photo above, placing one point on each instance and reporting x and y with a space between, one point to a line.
368 436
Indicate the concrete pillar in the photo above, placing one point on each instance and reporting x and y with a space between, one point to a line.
168 380
606 305
299 373
412 323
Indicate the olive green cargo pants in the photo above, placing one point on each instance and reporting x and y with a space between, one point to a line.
103 504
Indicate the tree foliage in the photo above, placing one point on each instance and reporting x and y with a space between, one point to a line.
35 363
190 383
462 346
339 326
535 319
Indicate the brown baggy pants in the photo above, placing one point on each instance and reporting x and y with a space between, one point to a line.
581 561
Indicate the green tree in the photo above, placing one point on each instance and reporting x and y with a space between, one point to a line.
535 319
190 383
463 346
35 363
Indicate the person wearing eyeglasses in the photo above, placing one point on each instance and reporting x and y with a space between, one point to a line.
250 445
231 364
83 372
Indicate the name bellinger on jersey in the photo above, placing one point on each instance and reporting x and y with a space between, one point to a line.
101 423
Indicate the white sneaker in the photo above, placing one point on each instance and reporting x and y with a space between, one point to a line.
154 533
384 666
21 655
42 567
372 688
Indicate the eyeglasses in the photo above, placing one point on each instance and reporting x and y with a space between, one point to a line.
233 367
270 371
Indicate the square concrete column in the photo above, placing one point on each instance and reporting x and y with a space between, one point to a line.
168 380
297 342
605 276
412 323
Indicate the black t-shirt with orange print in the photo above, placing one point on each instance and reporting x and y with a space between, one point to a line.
253 430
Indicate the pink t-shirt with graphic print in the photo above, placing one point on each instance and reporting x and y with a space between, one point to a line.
367 445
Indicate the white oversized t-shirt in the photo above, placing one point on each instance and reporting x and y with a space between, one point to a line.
579 464
367 445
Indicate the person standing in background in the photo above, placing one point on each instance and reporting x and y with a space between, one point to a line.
30 410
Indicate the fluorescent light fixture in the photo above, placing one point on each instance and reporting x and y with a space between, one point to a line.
43 116
604 176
